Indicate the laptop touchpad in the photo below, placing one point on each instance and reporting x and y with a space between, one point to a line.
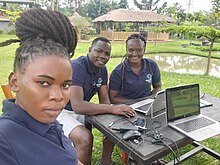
207 131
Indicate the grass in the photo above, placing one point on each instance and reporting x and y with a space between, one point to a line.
208 84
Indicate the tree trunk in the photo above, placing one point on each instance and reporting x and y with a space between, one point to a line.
209 57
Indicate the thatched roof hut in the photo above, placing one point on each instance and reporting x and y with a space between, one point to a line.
76 18
125 15
115 24
81 24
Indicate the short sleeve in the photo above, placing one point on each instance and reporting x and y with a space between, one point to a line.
116 79
156 73
104 75
78 74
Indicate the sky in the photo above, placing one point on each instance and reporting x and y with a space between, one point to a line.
196 5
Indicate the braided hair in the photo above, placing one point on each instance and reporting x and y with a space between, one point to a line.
49 25
41 29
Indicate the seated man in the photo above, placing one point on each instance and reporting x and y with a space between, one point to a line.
134 77
90 77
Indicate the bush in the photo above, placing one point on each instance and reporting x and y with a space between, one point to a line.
92 31
11 32
1 31
206 48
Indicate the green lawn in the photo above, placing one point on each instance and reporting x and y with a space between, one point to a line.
208 84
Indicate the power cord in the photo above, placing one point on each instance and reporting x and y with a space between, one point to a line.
159 139
177 149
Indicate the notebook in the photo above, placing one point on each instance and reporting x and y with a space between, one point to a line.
151 106
183 113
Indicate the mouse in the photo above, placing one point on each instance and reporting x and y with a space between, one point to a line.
131 134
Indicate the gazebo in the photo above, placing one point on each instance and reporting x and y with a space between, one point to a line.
116 21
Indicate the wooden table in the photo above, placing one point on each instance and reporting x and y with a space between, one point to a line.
146 152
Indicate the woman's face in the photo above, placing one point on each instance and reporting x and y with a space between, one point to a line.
135 50
44 88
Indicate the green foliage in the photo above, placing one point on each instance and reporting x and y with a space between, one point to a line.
192 31
11 15
123 4
128 27
150 5
206 48
92 31
11 32
216 8
1 31
96 8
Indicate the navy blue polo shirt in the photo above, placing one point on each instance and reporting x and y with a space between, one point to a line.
87 76
130 85
25 141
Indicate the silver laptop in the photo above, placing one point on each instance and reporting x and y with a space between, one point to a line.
151 106
158 106
183 113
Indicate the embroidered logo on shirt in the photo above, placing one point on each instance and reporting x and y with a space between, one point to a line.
149 78
99 82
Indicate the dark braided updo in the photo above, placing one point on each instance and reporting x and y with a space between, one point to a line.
42 32
47 24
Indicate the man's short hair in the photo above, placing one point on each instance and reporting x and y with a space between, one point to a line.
100 39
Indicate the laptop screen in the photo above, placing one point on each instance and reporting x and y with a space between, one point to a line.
182 101
158 106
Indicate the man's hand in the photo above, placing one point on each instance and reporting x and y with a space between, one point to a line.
123 110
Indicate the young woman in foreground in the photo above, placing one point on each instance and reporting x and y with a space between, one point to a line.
41 79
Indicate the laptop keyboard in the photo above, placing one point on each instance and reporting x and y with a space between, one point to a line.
144 107
194 124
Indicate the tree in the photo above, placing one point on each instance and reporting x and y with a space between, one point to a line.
123 4
216 11
149 5
11 15
216 7
207 32
175 12
96 8
44 3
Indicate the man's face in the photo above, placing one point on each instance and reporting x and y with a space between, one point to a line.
44 88
135 50
99 53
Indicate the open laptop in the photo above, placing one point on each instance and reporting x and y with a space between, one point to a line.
158 106
151 106
183 113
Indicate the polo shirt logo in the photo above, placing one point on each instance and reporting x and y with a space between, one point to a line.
149 78
99 83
